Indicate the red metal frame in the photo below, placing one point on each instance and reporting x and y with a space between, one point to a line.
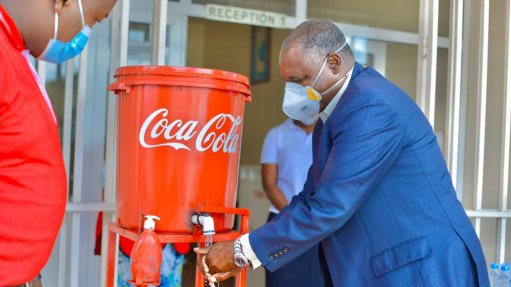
115 230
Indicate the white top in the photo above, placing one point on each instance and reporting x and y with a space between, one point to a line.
290 148
244 240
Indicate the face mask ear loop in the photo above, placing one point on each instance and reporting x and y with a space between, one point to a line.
319 74
342 47
56 28
338 82
324 64
345 76
81 12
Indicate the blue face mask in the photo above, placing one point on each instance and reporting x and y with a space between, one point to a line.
57 51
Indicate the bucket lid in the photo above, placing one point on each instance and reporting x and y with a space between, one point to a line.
137 75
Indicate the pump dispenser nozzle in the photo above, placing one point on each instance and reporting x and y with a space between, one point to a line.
149 222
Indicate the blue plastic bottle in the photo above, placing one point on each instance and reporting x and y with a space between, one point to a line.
494 272
504 276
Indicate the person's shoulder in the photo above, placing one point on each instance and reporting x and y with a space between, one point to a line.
371 88
282 127
368 93
273 133
279 131
370 81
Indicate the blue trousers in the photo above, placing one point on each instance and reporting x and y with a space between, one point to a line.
305 270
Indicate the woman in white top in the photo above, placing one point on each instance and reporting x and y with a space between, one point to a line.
285 160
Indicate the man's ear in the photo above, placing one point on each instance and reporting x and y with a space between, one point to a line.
334 62
58 6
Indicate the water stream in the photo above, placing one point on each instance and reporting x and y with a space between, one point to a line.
209 242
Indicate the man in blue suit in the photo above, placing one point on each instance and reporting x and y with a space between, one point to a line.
378 196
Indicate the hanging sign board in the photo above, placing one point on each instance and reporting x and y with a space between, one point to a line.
245 16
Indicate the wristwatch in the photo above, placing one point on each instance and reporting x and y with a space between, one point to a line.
239 258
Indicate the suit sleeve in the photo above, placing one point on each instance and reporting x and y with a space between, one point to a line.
366 141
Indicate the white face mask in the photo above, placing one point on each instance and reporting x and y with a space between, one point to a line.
302 102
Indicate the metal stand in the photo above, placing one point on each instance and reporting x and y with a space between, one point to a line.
115 230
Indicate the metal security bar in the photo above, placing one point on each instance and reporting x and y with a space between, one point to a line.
118 57
159 29
427 58
482 86
454 90
506 142
78 167
301 11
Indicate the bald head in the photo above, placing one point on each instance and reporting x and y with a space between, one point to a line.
316 39
311 56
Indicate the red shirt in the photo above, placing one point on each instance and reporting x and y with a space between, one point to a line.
32 174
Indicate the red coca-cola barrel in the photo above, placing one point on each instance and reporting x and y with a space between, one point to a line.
179 142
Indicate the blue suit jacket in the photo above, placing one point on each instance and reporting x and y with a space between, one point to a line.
378 197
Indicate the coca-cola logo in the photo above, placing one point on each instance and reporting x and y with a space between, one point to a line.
160 131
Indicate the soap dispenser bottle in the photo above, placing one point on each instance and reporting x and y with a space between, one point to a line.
146 255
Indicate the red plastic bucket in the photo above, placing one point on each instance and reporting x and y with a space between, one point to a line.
179 141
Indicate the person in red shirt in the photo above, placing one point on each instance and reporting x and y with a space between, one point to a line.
32 174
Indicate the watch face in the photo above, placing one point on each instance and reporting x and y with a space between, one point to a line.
240 262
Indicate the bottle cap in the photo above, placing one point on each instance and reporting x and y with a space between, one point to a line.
504 267
494 265
149 222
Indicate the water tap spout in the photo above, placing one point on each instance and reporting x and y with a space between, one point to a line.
205 221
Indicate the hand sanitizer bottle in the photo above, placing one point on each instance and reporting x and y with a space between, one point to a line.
146 255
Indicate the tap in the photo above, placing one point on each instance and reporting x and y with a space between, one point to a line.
205 221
